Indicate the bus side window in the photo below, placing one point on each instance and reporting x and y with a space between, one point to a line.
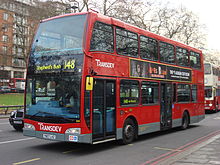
195 60
183 93
126 42
102 38
129 92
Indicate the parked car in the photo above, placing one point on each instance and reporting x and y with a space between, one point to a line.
16 119
5 89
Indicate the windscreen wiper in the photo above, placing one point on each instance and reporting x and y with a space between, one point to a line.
42 112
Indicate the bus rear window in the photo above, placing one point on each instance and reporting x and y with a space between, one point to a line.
207 68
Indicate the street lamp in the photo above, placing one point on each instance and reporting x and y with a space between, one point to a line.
73 5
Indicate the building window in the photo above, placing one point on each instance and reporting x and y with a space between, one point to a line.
129 92
5 28
5 16
19 51
18 62
102 38
5 38
4 49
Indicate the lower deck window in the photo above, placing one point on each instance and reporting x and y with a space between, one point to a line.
149 92
183 93
129 92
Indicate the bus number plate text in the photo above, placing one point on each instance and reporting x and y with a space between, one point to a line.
48 136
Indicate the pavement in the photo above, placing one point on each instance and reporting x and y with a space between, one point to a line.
207 153
204 151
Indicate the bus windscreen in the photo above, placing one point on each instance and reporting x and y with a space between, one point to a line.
58 45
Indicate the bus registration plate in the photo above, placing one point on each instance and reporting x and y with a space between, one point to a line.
48 136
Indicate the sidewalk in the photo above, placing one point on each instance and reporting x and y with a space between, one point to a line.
204 153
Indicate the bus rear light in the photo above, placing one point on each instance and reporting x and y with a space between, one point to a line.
73 130
29 126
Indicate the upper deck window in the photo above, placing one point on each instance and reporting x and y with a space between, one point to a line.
195 60
182 56
167 53
127 42
207 68
148 48
59 36
102 38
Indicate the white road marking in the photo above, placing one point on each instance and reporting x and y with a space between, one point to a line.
17 140
26 161
166 149
217 118
4 123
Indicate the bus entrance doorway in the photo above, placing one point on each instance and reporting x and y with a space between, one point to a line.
104 106
166 106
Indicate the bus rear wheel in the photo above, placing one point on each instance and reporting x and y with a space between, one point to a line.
128 131
185 121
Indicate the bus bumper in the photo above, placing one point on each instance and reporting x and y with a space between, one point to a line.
77 138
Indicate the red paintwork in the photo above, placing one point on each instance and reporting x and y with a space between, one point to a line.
63 127
143 114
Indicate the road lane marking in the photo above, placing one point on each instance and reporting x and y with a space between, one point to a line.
166 149
26 161
4 123
217 118
17 140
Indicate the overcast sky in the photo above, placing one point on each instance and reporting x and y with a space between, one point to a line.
209 14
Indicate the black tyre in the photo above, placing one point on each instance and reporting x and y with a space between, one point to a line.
185 121
128 131
18 128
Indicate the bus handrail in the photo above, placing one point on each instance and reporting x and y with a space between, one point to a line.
4 110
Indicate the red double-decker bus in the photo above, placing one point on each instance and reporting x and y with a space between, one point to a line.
212 87
92 78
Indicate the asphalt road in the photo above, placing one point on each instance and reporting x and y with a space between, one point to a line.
16 149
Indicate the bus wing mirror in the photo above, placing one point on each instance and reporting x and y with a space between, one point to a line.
89 83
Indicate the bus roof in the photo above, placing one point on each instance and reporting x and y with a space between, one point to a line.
110 20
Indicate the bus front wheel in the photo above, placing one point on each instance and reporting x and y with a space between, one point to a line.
128 131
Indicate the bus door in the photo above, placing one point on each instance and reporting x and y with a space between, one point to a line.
165 106
103 111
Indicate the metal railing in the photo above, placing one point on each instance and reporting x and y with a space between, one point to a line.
4 110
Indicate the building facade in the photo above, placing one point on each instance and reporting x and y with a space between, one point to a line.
16 33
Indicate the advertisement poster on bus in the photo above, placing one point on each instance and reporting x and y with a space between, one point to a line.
142 69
